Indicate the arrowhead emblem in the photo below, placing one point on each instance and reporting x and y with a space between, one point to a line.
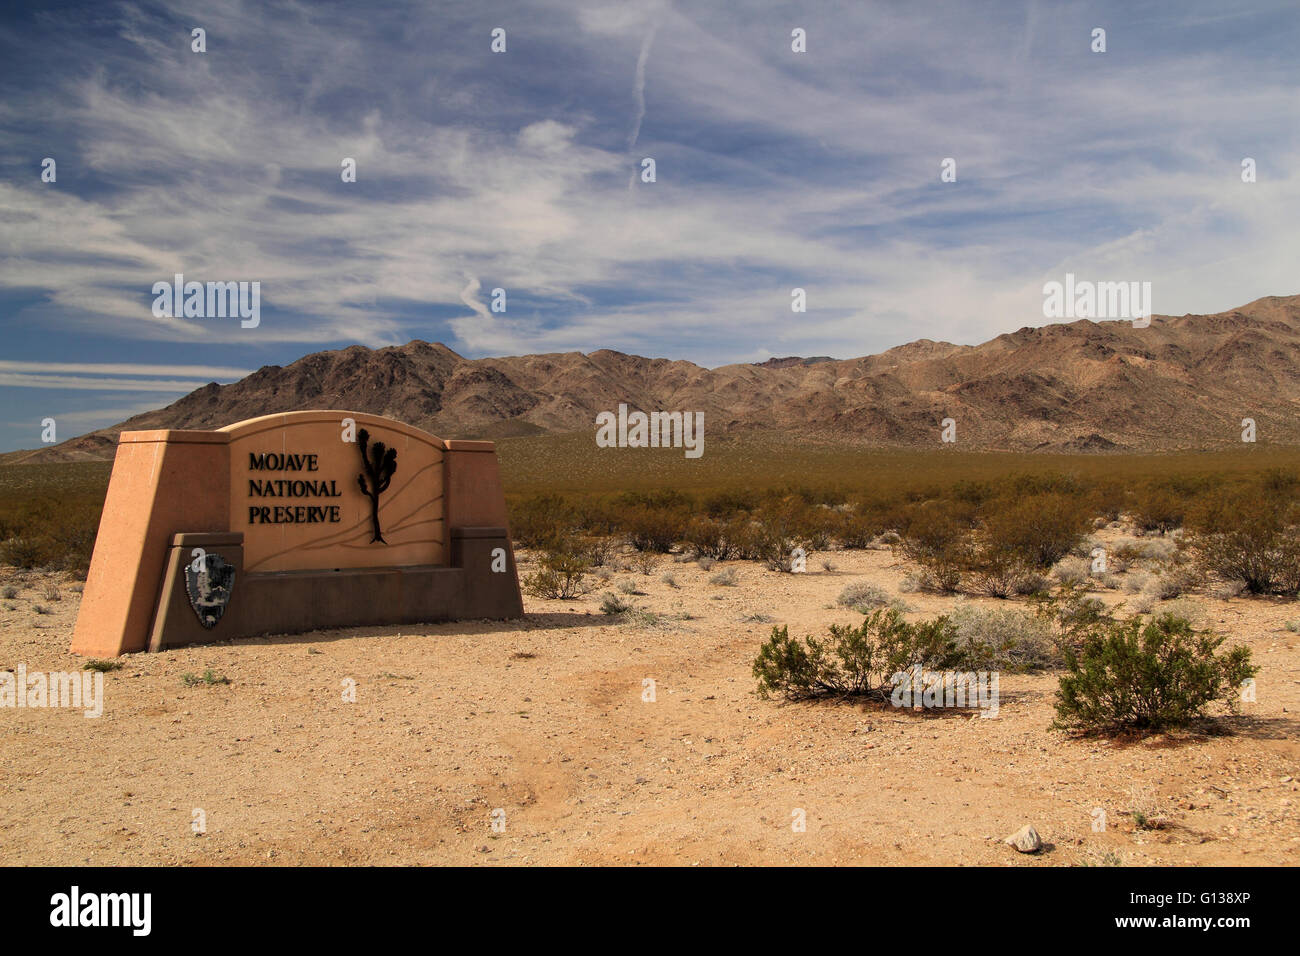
209 589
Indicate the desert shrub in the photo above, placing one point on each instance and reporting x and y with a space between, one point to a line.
613 604
630 588
779 528
731 501
707 563
52 593
1227 590
726 578
1039 529
1073 570
1107 499
816 527
1136 581
1155 675
1159 509
853 661
712 537
28 552
1144 603
862 594
998 572
210 677
645 562
1004 638
49 515
562 576
545 522
1117 563
1171 584
1157 549
669 580
1185 608
858 529
1250 538
938 541
652 528
11 593
1073 614
599 548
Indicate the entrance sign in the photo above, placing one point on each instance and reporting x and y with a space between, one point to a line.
293 522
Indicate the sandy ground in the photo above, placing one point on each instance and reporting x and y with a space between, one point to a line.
544 720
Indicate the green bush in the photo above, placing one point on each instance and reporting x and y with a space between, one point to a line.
853 661
652 528
545 522
715 538
1159 509
1073 614
562 576
1148 676
999 571
1037 530
858 528
612 604
939 542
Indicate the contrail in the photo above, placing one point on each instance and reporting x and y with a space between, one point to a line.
638 85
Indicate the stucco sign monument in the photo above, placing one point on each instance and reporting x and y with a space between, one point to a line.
293 522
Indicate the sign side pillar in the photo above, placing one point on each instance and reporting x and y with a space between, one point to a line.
163 483
472 485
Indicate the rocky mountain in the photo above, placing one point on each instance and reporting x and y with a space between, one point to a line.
1182 382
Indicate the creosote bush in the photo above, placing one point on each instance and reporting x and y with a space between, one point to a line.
612 604
562 576
1249 538
853 661
938 542
1157 675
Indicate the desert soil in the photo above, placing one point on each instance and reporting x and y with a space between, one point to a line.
545 720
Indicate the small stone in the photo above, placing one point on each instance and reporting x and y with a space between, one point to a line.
1025 840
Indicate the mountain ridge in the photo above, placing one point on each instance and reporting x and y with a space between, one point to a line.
1182 382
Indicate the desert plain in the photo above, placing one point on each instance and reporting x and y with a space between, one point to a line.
532 742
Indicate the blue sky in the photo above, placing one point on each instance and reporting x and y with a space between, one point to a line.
478 170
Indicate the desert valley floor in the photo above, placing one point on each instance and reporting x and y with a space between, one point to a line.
544 719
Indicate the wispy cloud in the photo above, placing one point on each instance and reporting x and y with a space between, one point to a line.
210 372
775 170
88 383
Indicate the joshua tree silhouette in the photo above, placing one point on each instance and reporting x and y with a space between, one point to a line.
380 463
